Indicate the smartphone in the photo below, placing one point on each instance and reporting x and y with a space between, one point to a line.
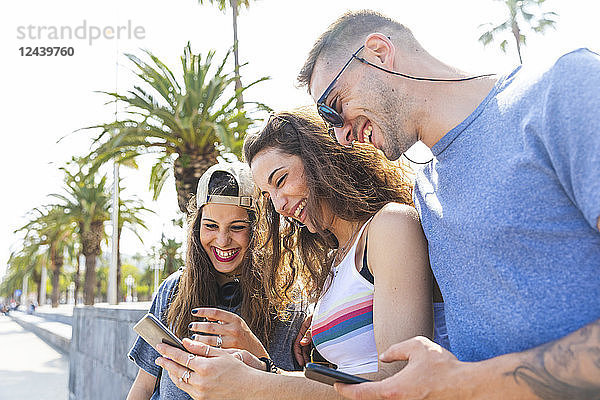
154 332
329 376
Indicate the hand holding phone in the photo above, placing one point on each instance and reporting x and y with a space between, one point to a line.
154 332
330 376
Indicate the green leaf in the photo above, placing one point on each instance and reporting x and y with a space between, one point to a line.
159 174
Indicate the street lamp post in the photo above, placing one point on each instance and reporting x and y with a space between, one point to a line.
25 290
129 281
157 267
114 259
112 270
43 283
71 297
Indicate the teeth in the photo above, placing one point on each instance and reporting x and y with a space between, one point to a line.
225 254
367 133
300 208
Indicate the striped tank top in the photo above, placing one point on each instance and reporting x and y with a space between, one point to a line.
342 324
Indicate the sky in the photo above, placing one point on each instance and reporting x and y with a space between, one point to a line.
45 99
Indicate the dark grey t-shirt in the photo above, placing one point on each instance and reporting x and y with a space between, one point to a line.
144 355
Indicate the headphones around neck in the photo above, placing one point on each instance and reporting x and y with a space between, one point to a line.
230 294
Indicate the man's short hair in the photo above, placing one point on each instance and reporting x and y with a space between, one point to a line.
342 38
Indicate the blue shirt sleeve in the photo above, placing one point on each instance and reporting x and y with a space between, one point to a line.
571 129
142 354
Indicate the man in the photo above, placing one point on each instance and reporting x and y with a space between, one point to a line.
510 205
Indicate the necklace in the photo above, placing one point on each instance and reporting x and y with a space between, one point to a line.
235 277
341 250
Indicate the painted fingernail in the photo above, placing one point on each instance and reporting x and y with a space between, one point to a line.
194 311
194 336
191 325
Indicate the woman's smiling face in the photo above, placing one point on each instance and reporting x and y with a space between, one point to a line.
280 177
225 235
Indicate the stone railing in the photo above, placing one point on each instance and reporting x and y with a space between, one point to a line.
102 336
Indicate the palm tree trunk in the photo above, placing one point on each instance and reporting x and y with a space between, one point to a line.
187 170
37 278
56 270
90 243
55 291
77 277
90 280
56 261
238 79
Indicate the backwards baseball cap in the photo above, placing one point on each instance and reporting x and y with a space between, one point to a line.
238 171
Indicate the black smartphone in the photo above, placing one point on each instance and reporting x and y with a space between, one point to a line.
329 376
154 332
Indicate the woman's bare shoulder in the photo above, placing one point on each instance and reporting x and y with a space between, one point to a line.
395 218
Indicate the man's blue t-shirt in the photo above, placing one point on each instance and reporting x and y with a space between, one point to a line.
510 205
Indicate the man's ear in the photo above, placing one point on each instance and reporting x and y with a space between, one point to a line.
381 49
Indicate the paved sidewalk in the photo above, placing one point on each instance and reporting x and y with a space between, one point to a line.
29 368
58 327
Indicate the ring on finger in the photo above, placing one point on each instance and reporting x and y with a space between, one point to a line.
219 341
190 357
239 355
186 376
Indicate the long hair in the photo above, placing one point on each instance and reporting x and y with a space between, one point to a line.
198 285
353 182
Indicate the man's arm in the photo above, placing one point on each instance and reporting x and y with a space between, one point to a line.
568 368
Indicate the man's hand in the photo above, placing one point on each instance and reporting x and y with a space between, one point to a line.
431 373
568 368
302 342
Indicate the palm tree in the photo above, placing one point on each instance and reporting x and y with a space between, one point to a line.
51 227
519 16
169 253
187 125
74 255
27 261
235 5
86 201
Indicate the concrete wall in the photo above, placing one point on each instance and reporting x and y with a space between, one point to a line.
63 317
99 367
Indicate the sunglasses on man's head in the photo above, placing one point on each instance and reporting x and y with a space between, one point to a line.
330 114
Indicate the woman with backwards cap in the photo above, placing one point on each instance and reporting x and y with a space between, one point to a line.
218 284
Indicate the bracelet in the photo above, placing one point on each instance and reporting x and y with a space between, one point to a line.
271 367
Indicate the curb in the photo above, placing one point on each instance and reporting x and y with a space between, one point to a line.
53 333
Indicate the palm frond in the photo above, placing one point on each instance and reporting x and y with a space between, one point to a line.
158 175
